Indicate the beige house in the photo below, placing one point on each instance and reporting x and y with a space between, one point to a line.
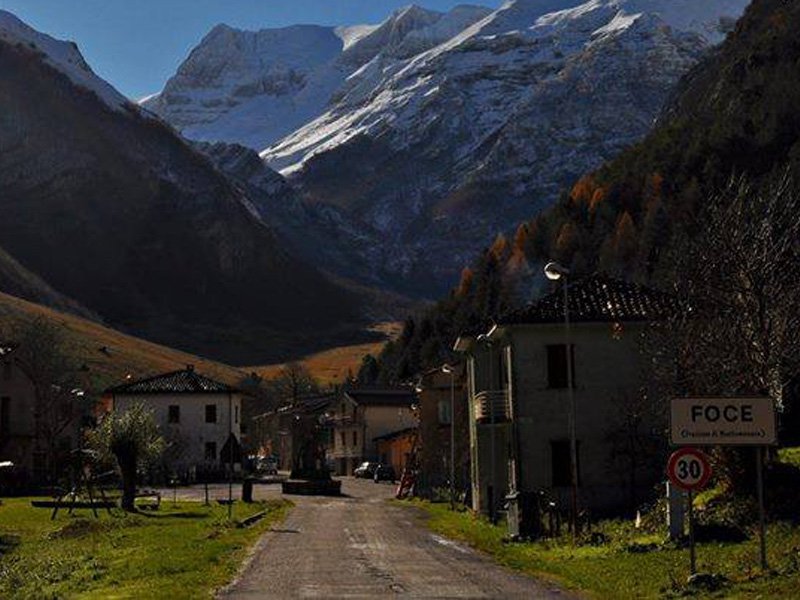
200 417
359 416
519 402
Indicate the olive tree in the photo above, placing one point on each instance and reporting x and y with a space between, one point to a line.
133 439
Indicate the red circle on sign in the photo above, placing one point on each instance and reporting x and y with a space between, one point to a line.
682 472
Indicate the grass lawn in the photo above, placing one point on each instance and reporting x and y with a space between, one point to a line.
630 564
183 551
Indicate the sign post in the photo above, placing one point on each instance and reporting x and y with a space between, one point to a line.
762 532
690 470
728 422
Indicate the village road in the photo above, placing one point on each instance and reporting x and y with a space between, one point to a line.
360 546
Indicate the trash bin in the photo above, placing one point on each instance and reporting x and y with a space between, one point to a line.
247 490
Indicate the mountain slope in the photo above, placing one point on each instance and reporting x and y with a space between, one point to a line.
111 208
109 354
444 129
733 115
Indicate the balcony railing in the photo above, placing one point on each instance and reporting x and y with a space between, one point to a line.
492 407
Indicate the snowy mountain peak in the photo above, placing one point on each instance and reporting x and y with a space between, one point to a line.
63 56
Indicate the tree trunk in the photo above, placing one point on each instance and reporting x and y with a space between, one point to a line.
127 468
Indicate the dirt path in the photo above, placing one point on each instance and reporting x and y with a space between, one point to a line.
360 546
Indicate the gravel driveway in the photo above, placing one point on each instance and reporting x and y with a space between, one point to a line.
360 546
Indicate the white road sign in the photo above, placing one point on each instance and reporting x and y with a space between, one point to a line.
723 422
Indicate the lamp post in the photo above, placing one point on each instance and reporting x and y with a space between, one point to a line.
492 434
554 271
448 370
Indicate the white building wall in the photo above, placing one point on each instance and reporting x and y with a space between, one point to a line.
192 432
606 371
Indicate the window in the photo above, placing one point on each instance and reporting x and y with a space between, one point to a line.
174 414
344 440
236 415
445 418
561 465
557 366
211 450
211 413
355 438
5 415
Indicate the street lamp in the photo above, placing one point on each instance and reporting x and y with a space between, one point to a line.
448 370
492 434
554 271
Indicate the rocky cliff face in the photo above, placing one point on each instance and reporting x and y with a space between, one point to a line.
105 205
438 131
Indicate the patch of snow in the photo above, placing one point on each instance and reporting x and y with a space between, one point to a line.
351 34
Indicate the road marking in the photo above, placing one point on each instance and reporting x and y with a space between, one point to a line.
449 543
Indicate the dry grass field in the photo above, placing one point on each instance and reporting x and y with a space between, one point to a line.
332 366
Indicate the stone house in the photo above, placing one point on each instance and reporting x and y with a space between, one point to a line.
359 416
435 422
519 403
200 417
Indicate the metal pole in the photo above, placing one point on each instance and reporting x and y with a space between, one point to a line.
692 553
230 455
452 440
762 530
493 436
573 441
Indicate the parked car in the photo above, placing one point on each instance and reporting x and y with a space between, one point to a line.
366 470
264 465
384 473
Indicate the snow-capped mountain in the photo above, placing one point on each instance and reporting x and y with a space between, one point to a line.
64 56
255 87
439 130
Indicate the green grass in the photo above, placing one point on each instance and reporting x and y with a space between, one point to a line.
633 564
790 456
183 551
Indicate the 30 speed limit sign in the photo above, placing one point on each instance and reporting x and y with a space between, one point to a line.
689 469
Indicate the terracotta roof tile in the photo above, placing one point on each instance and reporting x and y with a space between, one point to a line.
596 299
185 381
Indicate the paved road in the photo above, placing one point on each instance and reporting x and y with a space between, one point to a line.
360 546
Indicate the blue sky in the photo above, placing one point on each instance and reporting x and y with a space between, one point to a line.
137 44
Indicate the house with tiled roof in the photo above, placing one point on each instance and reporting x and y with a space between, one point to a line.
199 416
519 407
362 414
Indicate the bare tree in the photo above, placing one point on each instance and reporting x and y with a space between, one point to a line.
293 381
45 356
738 282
